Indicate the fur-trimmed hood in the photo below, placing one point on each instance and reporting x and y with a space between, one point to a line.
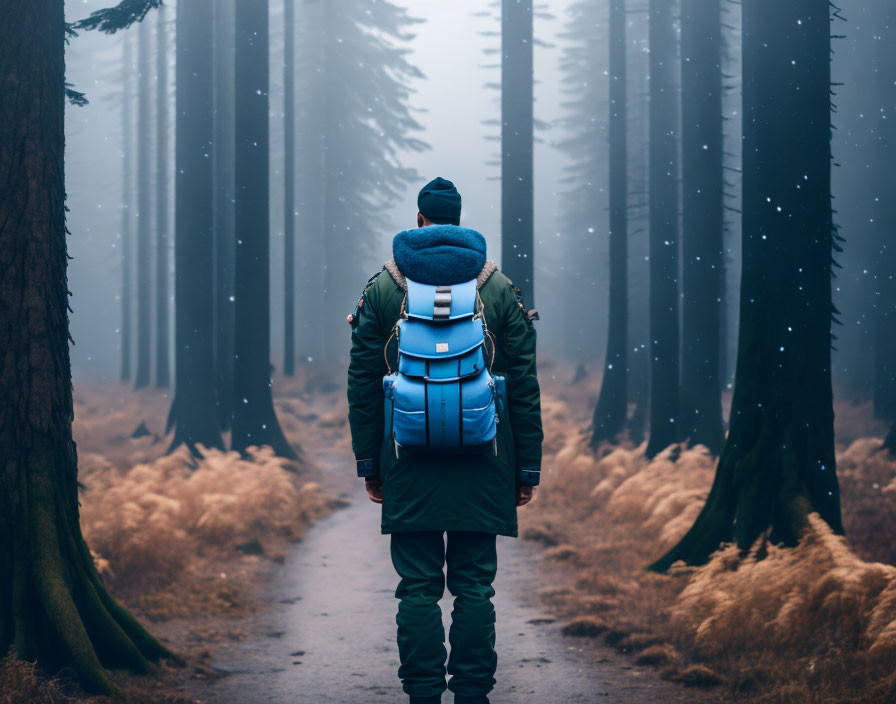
440 255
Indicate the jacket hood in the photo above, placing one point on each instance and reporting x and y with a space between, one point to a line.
439 255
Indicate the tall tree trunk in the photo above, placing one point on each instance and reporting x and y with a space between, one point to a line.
890 442
517 142
610 415
882 220
289 183
254 419
314 125
778 463
193 409
703 268
53 606
225 243
664 219
639 211
126 196
144 210
163 365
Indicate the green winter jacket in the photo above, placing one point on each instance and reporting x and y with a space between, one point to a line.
470 492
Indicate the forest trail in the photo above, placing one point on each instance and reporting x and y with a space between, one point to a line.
329 635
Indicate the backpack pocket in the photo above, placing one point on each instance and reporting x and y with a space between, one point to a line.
458 415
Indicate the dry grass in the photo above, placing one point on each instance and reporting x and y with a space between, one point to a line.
159 530
23 683
187 542
812 624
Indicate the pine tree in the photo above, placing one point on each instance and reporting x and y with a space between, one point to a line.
778 463
144 209
354 123
225 241
289 189
664 217
610 414
163 366
703 262
53 606
126 193
254 418
639 218
882 218
192 412
517 145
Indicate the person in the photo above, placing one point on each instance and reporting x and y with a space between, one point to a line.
445 507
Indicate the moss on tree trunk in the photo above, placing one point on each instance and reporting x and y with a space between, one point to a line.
53 606
778 463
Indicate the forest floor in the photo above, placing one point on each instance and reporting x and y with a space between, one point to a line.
205 552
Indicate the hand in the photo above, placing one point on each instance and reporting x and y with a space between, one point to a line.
374 490
524 494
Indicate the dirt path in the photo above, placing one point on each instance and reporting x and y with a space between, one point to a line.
329 635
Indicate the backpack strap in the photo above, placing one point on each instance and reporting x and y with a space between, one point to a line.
399 278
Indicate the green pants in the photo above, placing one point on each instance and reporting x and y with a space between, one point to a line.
419 559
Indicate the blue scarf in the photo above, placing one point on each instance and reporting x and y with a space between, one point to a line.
439 255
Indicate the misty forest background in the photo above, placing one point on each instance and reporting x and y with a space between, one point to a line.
383 96
697 196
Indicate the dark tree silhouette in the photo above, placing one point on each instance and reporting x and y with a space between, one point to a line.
517 142
890 442
882 218
192 412
703 263
664 217
163 365
778 463
638 241
289 189
53 606
254 419
144 209
225 242
120 16
610 414
354 124
126 193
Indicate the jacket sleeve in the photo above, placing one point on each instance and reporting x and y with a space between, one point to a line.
517 345
365 383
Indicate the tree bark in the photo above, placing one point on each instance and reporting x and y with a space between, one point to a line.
610 414
289 183
882 220
53 606
778 463
664 217
163 341
225 242
254 419
313 126
890 442
517 143
703 270
192 412
126 194
144 210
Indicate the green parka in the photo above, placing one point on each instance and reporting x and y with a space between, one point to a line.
469 492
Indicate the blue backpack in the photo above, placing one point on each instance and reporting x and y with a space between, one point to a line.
443 396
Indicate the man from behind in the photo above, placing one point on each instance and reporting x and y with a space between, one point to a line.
444 408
